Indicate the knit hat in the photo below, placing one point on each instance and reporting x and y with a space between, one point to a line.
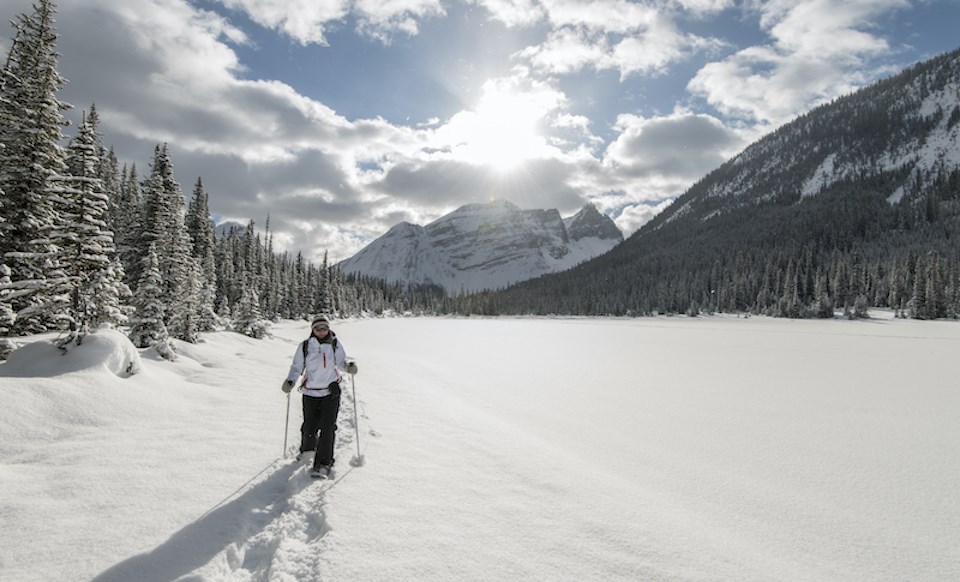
319 319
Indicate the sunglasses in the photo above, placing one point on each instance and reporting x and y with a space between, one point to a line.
321 328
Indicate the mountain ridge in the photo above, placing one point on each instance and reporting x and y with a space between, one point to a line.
483 246
854 203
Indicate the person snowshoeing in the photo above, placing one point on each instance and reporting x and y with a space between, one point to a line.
320 358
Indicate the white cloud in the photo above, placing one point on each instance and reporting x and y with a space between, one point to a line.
660 46
381 19
513 12
611 34
568 50
308 21
305 21
632 217
607 16
818 51
654 159
704 7
674 149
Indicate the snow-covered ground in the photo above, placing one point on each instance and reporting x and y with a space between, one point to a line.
713 448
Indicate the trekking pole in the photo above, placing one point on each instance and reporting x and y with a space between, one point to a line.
286 427
358 460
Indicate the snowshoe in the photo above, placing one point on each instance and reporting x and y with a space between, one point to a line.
321 472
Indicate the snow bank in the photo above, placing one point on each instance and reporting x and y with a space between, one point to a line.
105 349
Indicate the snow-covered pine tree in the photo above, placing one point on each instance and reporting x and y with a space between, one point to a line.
203 236
127 220
936 294
201 230
251 274
112 306
823 306
186 310
226 276
164 227
7 315
299 288
248 320
147 328
271 298
31 122
324 301
86 245
918 301
340 304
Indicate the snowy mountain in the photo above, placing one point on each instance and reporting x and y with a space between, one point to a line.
854 202
897 137
485 246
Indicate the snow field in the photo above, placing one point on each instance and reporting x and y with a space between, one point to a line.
500 449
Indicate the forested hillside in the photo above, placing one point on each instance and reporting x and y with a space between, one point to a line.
854 204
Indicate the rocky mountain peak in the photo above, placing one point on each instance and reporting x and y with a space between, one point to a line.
485 246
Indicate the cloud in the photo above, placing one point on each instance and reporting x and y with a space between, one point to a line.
305 21
381 19
672 150
611 35
447 184
652 161
632 217
513 12
308 21
702 8
820 49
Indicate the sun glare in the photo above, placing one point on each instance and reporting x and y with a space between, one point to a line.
502 131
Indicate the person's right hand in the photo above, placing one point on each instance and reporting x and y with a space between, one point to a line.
287 386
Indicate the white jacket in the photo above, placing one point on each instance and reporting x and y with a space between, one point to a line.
323 366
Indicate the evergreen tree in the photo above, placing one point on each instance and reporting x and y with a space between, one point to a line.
823 306
164 227
127 220
87 248
31 162
324 301
248 320
203 236
112 304
7 315
185 318
935 293
147 328
918 301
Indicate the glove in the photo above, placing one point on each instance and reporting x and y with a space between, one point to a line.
352 368
287 386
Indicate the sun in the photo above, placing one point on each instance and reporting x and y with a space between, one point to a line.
502 131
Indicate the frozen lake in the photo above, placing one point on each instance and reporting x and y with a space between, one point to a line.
713 448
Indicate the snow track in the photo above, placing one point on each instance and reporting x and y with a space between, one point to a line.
272 528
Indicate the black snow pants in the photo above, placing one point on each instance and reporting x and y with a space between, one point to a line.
320 415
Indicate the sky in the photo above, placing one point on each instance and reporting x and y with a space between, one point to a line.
623 464
338 119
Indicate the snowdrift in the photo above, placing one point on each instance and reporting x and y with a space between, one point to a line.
106 350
